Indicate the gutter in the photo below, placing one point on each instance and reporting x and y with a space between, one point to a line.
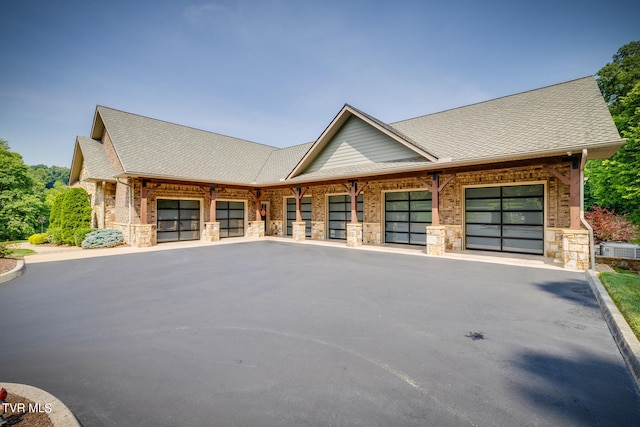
592 246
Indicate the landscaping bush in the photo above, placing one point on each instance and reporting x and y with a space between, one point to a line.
102 238
54 235
5 251
610 227
76 213
80 234
38 238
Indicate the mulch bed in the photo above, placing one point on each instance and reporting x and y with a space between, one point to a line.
7 264
25 418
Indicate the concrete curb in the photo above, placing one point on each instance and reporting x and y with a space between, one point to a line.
624 337
17 271
60 415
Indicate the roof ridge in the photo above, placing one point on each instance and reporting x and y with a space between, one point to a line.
492 99
184 126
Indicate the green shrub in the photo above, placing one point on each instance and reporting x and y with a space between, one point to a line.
5 251
76 213
102 238
80 234
55 216
38 238
54 235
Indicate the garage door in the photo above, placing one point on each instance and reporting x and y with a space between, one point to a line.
305 207
505 219
340 215
231 217
178 220
406 216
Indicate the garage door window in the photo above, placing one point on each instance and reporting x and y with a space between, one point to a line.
178 220
505 219
340 215
407 214
305 207
231 218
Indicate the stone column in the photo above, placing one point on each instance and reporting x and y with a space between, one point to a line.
256 229
298 231
575 249
436 237
354 235
211 231
143 235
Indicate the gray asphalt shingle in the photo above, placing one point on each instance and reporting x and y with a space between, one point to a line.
565 116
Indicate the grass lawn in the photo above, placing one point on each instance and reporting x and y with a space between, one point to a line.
18 252
624 289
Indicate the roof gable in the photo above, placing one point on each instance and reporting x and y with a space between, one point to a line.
92 154
357 143
354 138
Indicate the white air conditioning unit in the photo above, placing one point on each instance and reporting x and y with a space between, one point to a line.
619 250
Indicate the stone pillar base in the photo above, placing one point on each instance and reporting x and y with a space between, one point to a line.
354 235
211 232
298 231
276 228
372 234
317 230
436 237
575 249
143 235
256 229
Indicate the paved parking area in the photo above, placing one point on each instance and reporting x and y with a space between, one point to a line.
275 333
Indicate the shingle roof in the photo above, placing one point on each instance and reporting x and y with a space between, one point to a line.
563 117
559 117
281 162
98 166
157 148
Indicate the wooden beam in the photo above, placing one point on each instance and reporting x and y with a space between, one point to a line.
566 180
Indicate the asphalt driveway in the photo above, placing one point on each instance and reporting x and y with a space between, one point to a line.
275 333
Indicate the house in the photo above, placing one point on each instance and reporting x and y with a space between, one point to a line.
503 175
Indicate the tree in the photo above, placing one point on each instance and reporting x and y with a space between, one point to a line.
21 199
618 77
50 175
615 183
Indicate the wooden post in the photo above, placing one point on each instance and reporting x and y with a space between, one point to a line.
435 188
574 198
435 200
573 181
353 192
144 193
212 207
298 194
257 196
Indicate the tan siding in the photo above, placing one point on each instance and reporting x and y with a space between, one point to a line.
357 143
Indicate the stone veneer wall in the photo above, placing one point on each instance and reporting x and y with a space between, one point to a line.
575 249
624 263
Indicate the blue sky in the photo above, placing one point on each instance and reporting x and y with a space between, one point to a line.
277 72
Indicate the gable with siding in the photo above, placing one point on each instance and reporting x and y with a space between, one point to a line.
358 143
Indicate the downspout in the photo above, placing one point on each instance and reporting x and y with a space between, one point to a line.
592 247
